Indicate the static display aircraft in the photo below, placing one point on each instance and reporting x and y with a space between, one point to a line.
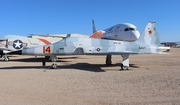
12 43
148 43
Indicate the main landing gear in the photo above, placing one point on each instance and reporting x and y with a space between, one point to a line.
6 58
53 59
108 60
124 65
125 61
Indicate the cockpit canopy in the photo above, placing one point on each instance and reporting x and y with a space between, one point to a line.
130 29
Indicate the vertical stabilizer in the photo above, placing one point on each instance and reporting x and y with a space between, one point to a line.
150 34
93 26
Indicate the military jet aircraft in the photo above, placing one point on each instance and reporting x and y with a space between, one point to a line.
13 43
148 43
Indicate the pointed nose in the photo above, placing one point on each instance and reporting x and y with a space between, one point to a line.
135 35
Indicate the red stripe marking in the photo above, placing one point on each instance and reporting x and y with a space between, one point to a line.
97 35
44 41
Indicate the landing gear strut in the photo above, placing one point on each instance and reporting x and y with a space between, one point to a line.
6 58
108 60
125 62
53 59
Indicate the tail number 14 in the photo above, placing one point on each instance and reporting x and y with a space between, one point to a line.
46 49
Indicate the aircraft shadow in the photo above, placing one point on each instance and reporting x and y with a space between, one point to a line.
93 67
78 66
41 59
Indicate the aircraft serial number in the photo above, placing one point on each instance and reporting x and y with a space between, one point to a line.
142 47
117 42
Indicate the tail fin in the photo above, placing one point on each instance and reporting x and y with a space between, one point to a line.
93 26
150 34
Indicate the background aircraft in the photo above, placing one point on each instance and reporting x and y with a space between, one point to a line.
11 43
121 32
148 43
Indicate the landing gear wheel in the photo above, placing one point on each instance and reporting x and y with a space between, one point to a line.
54 66
124 67
108 62
6 58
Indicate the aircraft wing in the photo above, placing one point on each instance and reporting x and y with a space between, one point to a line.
3 48
123 52
56 36
3 40
130 52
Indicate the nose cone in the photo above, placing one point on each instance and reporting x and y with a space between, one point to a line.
135 35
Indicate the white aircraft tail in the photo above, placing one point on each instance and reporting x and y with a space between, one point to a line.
150 34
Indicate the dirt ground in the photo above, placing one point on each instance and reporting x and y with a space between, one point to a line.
152 79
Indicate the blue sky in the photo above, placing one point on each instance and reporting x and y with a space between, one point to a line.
23 17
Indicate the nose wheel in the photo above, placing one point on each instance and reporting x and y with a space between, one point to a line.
53 66
6 58
124 67
125 62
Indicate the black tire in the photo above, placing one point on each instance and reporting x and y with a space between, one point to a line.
6 59
124 67
108 62
54 66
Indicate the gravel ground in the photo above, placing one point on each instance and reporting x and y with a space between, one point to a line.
86 80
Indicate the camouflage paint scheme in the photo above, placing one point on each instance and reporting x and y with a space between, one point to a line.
148 43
